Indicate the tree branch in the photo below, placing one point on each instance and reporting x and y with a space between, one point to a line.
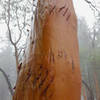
18 27
92 5
8 82
89 89
8 24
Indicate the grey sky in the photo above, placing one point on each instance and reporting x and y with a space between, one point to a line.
83 10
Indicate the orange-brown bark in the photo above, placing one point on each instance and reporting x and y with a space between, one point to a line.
51 69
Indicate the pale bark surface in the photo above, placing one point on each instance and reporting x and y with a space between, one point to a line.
51 69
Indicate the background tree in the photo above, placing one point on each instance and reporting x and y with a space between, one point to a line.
16 15
89 55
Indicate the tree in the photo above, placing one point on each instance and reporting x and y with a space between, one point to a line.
8 81
93 5
15 15
89 40
50 70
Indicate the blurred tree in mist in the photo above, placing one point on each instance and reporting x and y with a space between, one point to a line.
89 43
16 15
9 66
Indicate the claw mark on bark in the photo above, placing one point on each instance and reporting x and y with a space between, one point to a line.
29 75
36 79
49 84
19 67
52 9
51 59
68 16
65 11
72 64
60 54
60 9
42 82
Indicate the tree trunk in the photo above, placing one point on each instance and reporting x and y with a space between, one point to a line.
51 69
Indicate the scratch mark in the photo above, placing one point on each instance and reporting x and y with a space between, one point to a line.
19 67
49 84
60 9
65 12
51 59
28 75
68 16
72 64
42 82
52 9
36 79
60 54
